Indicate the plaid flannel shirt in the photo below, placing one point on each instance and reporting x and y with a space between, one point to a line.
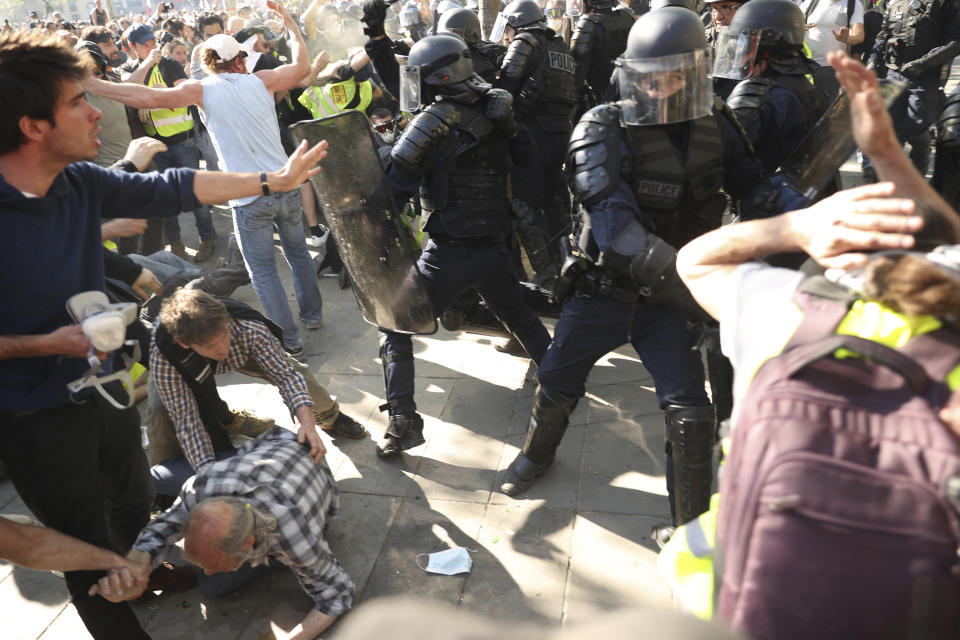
273 472
249 340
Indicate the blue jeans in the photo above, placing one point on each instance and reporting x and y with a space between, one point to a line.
165 265
185 154
254 224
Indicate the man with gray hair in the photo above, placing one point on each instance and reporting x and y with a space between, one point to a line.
270 501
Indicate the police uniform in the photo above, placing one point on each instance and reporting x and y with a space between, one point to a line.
459 160
598 39
539 72
917 37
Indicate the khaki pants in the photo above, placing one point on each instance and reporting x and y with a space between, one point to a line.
163 436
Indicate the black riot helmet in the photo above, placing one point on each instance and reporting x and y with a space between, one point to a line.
773 27
461 22
95 52
439 65
598 4
663 75
521 15
686 4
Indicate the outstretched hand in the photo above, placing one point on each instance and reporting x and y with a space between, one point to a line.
872 125
300 167
835 230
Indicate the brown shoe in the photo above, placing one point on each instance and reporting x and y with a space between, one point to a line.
247 424
205 252
177 249
170 579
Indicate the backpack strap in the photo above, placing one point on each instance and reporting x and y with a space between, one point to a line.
824 305
907 367
937 351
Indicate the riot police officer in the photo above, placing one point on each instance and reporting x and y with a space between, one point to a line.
411 21
647 170
916 39
598 39
487 56
946 165
458 151
774 98
540 73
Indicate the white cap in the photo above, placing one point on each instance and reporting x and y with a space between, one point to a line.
225 46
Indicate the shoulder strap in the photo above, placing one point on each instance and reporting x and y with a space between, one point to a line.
813 5
821 317
850 6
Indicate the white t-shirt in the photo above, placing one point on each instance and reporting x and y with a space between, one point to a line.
240 116
828 16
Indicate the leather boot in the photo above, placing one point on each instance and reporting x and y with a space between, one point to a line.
205 250
404 432
690 438
551 415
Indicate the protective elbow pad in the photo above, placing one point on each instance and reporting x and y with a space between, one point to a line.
415 149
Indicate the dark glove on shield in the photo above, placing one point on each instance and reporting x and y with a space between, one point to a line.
374 14
500 110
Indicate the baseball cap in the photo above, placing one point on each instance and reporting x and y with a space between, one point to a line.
140 34
226 46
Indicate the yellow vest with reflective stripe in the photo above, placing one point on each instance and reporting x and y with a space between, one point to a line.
333 97
166 122
686 561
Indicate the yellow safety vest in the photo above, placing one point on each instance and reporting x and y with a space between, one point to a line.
686 561
166 122
334 97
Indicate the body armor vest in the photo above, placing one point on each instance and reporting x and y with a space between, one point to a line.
469 193
913 30
814 102
678 188
550 92
616 25
198 373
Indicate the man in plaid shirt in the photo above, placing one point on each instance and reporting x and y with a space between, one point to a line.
269 501
199 336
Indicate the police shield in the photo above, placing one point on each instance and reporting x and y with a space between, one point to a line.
818 157
363 219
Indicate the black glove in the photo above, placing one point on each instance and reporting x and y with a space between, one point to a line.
374 15
500 110
875 63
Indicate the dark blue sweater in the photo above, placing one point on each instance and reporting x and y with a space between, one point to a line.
50 249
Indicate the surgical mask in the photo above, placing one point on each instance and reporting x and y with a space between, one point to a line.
449 562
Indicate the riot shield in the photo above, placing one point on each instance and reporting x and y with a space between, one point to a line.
818 157
364 220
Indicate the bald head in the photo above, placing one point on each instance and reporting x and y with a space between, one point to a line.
214 539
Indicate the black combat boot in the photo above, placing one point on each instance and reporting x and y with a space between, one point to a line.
404 432
551 415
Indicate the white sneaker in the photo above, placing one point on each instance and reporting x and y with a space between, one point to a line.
314 241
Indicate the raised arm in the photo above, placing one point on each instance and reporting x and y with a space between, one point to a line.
185 94
288 76
874 133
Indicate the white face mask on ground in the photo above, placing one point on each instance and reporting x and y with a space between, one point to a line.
449 562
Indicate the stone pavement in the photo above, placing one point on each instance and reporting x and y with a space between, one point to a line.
577 543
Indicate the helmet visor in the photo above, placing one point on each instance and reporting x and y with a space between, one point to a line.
409 18
736 53
496 34
410 94
663 90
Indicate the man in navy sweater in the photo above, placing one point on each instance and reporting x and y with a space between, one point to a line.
76 461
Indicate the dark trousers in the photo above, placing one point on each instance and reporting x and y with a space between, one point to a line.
448 271
589 328
81 470
541 185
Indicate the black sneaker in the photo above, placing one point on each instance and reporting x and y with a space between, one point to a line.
294 351
347 427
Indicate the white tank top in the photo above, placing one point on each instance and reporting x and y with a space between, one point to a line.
240 115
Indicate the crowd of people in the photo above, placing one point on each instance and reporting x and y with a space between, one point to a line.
662 175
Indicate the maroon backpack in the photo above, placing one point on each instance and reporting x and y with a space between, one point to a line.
834 519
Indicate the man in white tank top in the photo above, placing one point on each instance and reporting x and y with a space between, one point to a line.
238 110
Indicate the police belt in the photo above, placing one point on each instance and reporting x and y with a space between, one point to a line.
468 241
599 282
